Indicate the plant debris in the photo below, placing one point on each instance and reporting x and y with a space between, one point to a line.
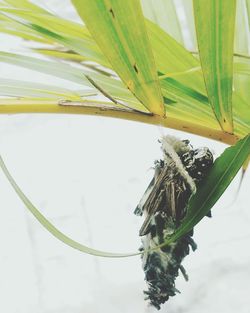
164 205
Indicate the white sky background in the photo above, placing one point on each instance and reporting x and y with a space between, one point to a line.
87 174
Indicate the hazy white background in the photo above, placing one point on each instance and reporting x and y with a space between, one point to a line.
87 174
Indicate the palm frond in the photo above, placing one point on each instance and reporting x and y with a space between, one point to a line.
179 71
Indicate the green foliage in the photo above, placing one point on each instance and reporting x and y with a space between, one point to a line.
121 35
145 67
220 176
50 227
215 41
153 50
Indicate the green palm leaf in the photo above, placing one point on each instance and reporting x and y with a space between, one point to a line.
119 29
62 70
222 173
50 227
58 30
25 4
15 88
215 22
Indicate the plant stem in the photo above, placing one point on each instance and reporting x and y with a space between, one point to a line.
68 107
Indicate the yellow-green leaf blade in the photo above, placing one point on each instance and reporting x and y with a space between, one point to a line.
215 22
77 75
218 179
50 227
58 30
118 28
18 88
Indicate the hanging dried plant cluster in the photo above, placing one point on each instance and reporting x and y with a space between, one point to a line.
164 206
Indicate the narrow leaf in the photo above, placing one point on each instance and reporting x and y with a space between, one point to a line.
215 23
25 5
118 28
58 30
12 87
60 54
222 173
170 56
78 75
50 227
57 69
